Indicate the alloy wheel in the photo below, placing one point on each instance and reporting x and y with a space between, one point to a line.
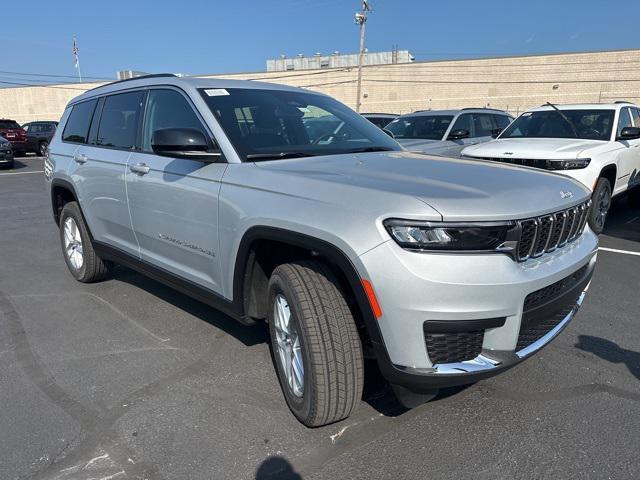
288 346
73 243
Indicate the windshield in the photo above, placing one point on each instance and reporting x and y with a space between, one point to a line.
584 124
426 127
269 124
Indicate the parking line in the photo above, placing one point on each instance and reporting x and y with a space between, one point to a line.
615 250
21 173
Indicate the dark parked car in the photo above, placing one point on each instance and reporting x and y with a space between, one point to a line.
39 135
380 120
10 130
6 153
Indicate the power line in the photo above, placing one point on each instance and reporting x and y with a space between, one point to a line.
51 75
42 86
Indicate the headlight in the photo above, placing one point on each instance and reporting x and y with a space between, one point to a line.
568 164
483 236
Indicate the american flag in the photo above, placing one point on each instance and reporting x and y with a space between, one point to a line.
75 50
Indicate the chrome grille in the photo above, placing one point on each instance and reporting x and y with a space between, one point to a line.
544 234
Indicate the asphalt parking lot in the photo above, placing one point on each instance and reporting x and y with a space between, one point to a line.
129 379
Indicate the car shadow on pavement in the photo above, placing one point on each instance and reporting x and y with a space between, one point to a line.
17 165
623 220
611 352
377 391
248 335
276 467
379 395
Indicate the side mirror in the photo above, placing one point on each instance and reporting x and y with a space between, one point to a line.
458 135
629 133
183 143
495 132
389 132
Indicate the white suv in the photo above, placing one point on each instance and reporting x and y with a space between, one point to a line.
598 144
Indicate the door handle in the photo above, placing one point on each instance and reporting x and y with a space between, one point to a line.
80 159
139 168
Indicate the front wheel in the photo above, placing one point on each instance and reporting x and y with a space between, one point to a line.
600 204
315 343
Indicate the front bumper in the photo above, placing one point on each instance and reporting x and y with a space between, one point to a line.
459 290
6 155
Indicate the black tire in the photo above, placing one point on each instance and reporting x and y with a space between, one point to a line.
600 204
634 197
330 345
92 267
43 148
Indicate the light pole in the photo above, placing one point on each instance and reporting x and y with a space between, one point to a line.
361 20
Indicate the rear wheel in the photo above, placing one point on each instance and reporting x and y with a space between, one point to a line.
43 149
315 343
600 204
81 259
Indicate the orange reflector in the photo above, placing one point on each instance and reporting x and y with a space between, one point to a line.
371 295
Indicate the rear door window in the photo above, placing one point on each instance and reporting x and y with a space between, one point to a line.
119 120
77 126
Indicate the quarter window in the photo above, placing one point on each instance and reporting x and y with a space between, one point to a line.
624 120
78 123
119 120
168 109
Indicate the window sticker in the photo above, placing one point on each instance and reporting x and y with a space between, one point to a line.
216 92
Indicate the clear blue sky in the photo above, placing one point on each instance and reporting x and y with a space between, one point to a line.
213 36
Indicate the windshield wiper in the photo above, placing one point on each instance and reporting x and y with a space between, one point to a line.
371 149
566 119
277 156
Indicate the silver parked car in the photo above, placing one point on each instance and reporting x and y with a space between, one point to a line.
445 271
448 132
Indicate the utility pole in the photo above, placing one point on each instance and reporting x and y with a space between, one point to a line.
361 20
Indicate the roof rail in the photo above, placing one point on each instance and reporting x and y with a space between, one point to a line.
482 108
623 101
141 77
380 113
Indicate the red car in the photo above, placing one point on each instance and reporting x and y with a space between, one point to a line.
13 132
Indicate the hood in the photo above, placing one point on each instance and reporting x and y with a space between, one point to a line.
534 148
411 143
457 189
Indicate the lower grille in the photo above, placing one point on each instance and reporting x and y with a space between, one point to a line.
453 347
545 294
535 322
533 333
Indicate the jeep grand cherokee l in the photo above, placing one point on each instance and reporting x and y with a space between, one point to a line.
597 144
445 271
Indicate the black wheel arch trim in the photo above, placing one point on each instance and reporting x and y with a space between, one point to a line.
59 182
335 256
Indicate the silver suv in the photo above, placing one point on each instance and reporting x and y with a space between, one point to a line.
444 271
448 132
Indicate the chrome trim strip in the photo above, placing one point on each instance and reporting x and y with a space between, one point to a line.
478 364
